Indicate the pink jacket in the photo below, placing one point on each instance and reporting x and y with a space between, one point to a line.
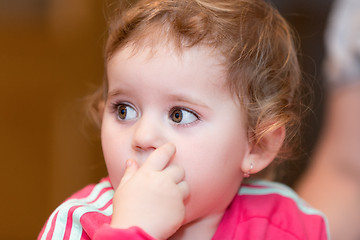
261 210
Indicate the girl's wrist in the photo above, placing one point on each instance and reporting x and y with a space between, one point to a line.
109 232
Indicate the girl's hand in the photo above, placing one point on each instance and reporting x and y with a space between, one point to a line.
152 196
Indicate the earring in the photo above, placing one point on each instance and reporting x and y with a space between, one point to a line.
247 174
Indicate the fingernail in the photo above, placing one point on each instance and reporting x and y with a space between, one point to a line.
129 162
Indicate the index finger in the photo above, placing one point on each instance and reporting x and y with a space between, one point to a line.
160 157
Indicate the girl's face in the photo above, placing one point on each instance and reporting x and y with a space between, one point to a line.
161 97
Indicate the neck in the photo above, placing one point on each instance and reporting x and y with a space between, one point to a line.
203 228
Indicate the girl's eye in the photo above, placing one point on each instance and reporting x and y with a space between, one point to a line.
126 112
183 116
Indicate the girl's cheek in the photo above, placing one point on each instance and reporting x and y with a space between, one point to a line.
115 177
115 166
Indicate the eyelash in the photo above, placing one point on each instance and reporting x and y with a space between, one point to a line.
173 109
115 106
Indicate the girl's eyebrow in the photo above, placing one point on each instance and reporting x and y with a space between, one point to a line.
187 99
171 97
115 92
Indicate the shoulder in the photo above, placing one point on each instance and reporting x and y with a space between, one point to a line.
80 214
268 209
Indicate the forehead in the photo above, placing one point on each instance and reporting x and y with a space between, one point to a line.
196 67
193 59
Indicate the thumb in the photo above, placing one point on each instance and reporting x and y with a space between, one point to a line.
131 169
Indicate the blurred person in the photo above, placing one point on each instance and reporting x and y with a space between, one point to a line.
332 181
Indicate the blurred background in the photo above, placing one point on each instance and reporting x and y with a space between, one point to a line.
50 59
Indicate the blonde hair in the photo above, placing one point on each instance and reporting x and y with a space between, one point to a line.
255 41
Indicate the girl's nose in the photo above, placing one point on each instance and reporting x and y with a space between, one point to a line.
148 135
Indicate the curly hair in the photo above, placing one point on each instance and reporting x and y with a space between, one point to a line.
253 40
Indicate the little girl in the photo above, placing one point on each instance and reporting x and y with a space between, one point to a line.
198 95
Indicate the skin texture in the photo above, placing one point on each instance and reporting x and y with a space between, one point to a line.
185 135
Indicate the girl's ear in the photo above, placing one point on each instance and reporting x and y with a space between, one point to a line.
95 105
263 153
101 107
